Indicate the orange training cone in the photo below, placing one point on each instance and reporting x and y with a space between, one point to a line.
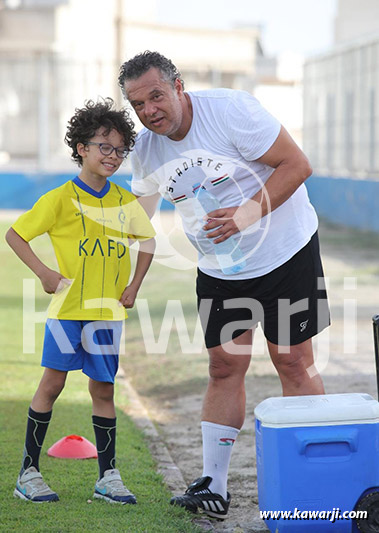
73 447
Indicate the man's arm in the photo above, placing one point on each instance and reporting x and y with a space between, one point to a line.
292 168
50 279
144 258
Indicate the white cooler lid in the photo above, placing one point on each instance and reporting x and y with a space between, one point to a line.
325 409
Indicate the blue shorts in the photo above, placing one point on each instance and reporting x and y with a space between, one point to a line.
90 346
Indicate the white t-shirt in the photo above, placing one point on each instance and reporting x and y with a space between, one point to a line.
229 131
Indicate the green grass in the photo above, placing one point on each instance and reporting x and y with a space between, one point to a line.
344 237
164 376
158 377
72 479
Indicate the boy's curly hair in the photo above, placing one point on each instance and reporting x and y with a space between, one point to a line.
82 127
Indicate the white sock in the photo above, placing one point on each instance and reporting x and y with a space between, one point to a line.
217 449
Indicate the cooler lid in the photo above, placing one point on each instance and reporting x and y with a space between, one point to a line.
325 409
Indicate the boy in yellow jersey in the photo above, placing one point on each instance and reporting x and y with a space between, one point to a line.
90 222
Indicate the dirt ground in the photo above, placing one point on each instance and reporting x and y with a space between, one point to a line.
345 357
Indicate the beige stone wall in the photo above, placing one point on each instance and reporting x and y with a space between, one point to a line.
53 58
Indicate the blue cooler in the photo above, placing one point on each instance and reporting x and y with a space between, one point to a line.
320 454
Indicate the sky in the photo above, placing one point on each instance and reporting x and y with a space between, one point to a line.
303 27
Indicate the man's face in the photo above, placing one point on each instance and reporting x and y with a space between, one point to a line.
158 104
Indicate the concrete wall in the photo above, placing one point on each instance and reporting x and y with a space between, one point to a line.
28 30
355 19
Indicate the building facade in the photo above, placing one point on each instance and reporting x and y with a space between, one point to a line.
341 119
55 54
341 110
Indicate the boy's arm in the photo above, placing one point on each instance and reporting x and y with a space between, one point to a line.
50 279
144 258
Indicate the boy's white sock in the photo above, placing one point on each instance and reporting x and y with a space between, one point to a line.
217 449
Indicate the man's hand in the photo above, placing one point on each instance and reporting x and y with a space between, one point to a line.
231 220
292 168
128 297
53 282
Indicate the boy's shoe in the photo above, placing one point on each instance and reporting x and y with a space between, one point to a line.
111 488
31 486
198 496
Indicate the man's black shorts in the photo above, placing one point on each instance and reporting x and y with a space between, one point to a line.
290 302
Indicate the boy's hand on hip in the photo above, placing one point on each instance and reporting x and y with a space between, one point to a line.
53 282
128 297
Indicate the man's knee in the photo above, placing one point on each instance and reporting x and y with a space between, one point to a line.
223 366
294 362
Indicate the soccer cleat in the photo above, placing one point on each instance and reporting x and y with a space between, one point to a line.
31 486
111 489
198 496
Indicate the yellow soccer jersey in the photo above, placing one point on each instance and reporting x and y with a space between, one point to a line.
90 234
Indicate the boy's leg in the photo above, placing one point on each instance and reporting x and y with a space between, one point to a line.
36 429
49 388
101 341
104 423
39 415
30 485
58 335
109 486
101 364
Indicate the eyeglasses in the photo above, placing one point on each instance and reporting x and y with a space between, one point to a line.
107 149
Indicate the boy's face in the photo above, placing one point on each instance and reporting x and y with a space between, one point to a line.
94 163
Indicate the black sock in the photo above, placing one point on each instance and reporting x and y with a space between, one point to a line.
35 435
105 433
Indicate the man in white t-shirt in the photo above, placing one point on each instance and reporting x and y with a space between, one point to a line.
220 148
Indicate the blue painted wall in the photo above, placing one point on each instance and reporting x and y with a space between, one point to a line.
346 201
22 190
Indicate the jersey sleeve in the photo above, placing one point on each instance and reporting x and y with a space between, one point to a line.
140 227
37 221
251 128
143 183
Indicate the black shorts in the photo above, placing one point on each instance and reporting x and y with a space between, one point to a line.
290 302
